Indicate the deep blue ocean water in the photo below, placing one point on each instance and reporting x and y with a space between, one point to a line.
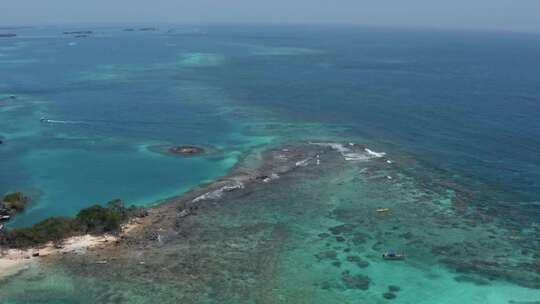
463 104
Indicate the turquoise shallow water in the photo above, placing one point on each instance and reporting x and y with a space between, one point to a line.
456 109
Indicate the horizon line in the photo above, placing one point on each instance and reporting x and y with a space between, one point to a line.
6 26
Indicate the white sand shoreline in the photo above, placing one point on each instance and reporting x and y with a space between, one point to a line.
12 261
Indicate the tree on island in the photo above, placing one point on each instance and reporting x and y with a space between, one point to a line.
96 219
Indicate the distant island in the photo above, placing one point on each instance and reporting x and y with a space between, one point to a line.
79 33
8 35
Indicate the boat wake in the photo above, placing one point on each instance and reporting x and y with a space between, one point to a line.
53 121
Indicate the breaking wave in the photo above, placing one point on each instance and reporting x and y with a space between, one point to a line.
216 194
352 152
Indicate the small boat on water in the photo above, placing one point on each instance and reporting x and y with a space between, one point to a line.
393 256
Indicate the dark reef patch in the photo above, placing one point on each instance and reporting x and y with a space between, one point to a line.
357 281
472 279
326 255
389 295
358 261
345 228
394 288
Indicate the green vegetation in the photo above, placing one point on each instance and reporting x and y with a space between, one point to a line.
98 219
51 229
13 203
93 220
13 197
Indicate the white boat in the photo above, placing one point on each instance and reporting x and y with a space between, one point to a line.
391 255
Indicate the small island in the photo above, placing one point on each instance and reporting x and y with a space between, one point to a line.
8 35
186 150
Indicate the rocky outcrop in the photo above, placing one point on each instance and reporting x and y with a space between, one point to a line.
186 150
12 204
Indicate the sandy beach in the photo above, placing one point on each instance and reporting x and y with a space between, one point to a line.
12 261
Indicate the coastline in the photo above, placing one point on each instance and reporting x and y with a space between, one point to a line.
283 219
14 261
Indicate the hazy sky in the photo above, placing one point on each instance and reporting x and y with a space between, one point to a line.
477 14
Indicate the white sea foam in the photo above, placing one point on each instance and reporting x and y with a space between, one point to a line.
351 155
375 154
218 193
302 163
272 177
